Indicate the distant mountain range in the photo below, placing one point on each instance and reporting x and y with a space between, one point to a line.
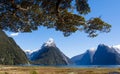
49 54
10 52
103 55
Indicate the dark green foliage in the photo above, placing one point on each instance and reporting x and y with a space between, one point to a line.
27 15
10 52
82 6
95 25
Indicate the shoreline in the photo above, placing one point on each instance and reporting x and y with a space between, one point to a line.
5 69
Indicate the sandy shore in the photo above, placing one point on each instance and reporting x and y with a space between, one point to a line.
56 70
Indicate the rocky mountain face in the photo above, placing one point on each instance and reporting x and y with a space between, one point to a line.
103 55
49 54
106 55
85 58
10 52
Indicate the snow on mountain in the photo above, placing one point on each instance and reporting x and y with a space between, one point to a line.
117 48
51 55
85 58
49 43
48 54
92 49
106 55
28 51
99 56
31 51
92 52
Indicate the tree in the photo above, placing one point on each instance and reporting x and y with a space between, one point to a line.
28 15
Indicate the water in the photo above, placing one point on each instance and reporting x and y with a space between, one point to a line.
93 66
77 66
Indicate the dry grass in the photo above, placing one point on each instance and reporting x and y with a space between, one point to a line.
56 70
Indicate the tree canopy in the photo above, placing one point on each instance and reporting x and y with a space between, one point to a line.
28 15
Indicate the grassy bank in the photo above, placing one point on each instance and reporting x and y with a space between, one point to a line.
56 70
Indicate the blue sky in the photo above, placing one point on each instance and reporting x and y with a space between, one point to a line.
78 42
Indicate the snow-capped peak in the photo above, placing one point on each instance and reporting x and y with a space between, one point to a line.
28 51
31 51
92 49
50 42
117 46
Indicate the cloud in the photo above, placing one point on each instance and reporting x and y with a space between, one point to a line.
14 34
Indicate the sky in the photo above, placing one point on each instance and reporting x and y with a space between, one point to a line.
78 42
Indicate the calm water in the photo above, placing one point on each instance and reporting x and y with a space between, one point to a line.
79 66
94 66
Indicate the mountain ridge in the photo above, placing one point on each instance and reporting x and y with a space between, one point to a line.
10 52
103 55
85 58
49 54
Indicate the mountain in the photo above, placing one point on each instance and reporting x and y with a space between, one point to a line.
49 54
106 55
10 52
103 55
85 58
29 52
